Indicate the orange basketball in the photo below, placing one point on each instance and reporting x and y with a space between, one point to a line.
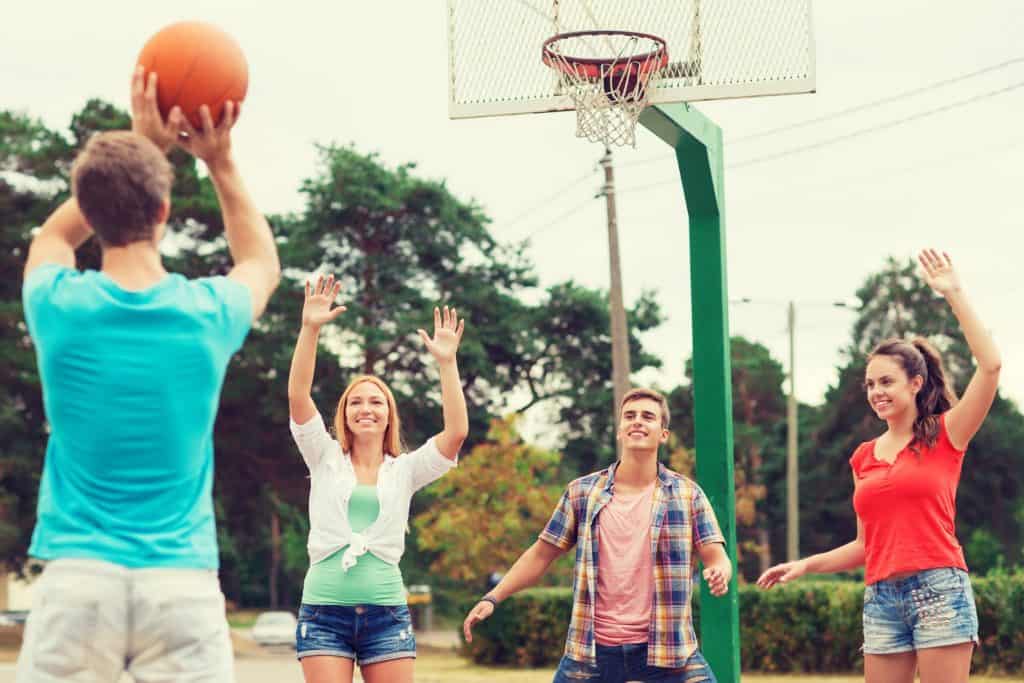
196 64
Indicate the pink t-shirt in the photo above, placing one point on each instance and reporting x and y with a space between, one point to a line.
625 569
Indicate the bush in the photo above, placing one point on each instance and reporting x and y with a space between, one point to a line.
807 626
985 551
528 629
1000 599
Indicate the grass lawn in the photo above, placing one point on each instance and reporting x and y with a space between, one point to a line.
243 618
438 668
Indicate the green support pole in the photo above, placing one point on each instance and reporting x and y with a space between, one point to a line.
697 142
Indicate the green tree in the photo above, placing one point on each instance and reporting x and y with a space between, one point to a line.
491 508
985 551
400 245
567 362
32 182
759 412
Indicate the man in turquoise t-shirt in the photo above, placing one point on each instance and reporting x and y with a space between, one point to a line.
132 359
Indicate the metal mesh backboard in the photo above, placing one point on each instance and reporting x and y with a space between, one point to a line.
717 49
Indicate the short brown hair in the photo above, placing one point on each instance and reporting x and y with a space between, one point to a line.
639 393
121 180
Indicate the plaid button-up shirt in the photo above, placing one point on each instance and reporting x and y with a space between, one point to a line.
681 519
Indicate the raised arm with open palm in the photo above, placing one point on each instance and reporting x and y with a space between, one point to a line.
317 310
964 419
443 346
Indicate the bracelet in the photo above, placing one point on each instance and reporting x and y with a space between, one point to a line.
488 598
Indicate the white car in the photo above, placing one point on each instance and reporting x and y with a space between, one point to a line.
275 628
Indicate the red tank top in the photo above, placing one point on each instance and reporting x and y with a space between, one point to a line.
908 508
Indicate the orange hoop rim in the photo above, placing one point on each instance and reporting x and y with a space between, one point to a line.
593 68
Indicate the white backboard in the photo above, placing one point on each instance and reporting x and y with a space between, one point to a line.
717 49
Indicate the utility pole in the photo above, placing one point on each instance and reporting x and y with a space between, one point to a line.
620 336
792 473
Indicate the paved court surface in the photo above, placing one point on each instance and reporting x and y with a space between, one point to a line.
254 664
270 669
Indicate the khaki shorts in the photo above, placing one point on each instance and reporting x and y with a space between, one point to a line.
92 620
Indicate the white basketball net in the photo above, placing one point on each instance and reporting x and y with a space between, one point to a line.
609 78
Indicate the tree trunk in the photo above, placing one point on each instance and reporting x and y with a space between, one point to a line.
764 549
275 557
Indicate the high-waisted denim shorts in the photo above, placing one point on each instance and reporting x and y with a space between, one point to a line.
366 634
931 608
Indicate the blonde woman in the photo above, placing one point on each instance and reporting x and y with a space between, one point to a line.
353 600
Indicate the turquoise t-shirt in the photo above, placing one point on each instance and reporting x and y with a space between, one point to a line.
131 383
370 581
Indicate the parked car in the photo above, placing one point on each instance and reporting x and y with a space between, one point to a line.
13 617
275 628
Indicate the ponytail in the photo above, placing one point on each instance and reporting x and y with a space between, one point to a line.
935 396
919 358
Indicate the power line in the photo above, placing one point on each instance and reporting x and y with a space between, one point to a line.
879 102
554 195
799 149
875 176
558 219
935 162
878 127
857 108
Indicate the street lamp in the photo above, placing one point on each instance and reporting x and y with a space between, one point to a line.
792 457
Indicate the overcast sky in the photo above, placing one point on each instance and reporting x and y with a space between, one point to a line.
807 226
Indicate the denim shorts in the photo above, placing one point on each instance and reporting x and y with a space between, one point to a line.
931 608
366 634
621 663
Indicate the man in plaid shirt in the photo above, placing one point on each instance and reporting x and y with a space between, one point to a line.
631 616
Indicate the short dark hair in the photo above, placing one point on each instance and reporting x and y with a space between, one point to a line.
121 180
639 393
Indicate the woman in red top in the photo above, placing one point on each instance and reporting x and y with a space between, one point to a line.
919 612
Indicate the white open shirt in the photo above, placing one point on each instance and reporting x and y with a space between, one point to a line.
332 480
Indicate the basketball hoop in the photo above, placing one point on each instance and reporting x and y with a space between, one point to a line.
610 85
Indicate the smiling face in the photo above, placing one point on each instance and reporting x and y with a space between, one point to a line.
890 392
641 425
366 410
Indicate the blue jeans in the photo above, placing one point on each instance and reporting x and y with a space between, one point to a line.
932 608
621 663
366 634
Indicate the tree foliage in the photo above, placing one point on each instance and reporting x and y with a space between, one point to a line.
759 413
491 508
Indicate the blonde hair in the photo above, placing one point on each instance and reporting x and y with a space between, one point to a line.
392 435
637 394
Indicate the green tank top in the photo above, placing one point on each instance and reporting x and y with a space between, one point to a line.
371 581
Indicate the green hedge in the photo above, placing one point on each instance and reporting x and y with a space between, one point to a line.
527 630
807 626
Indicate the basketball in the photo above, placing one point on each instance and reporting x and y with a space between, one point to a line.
196 64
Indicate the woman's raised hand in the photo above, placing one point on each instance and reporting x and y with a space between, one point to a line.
320 297
447 334
939 273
